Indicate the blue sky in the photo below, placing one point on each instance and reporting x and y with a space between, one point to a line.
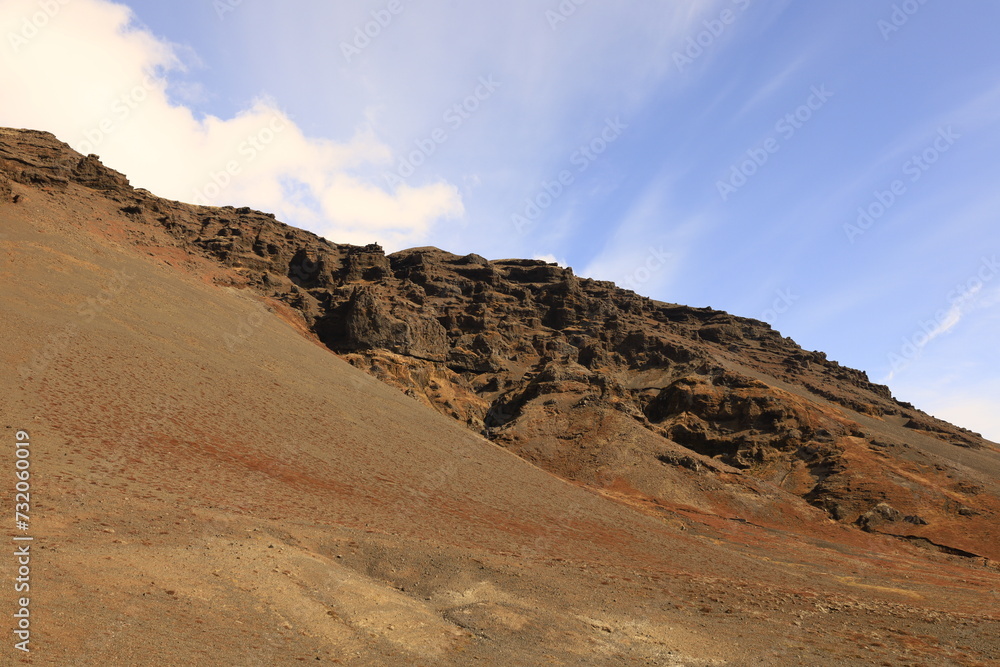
716 153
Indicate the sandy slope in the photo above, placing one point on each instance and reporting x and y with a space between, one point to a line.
213 487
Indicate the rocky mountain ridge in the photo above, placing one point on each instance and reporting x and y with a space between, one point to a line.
659 403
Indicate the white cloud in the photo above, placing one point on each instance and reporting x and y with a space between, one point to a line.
85 72
951 320
975 299
551 259
557 89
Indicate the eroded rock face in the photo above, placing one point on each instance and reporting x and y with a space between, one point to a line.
590 381
365 323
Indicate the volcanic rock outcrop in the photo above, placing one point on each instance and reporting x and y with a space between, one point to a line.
211 482
663 402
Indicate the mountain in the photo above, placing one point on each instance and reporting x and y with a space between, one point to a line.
228 470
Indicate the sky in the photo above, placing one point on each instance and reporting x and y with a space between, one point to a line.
827 167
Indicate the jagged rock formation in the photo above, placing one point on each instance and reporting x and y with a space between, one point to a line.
665 403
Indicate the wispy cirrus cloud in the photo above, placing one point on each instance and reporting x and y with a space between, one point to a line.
106 90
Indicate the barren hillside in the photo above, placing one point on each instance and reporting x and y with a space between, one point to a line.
226 471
